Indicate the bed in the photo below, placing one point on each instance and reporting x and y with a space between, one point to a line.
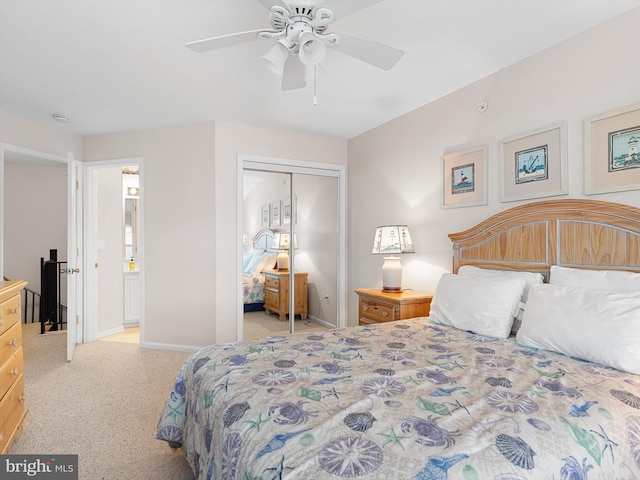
423 399
260 256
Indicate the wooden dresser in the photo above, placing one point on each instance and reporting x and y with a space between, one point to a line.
276 293
12 408
376 306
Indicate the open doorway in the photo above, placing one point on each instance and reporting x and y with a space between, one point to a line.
35 230
114 250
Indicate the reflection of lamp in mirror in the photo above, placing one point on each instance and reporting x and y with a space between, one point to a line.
282 242
392 239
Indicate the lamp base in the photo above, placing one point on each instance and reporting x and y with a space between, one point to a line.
392 289
283 261
392 274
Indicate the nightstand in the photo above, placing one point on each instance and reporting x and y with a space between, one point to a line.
376 306
276 293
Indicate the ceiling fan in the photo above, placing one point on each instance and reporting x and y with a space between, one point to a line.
300 30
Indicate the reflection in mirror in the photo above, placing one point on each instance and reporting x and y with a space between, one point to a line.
130 230
131 194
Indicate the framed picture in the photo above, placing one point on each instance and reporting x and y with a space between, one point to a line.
464 178
275 214
286 211
265 216
611 151
534 164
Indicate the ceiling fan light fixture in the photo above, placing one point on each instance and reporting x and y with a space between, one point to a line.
312 49
276 57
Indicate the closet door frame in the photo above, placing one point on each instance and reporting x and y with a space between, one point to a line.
289 166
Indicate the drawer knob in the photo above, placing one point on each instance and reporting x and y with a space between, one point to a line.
14 311
365 308
13 343
385 314
21 398
14 371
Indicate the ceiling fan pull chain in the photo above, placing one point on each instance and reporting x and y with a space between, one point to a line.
315 85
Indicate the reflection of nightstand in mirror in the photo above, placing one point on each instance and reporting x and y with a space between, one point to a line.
376 306
276 293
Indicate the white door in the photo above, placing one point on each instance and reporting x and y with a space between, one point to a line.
74 255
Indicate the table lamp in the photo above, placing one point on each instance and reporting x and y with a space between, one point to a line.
392 239
281 242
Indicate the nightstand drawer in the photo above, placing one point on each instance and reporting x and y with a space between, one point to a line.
376 306
272 299
271 282
377 311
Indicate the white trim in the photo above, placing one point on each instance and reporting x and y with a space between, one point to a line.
274 164
111 331
169 347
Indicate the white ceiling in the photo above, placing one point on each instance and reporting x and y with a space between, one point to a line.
117 65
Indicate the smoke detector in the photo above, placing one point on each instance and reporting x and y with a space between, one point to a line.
59 117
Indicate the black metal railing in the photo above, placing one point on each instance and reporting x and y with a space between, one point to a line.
25 308
30 311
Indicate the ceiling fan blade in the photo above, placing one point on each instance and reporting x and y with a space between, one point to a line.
214 43
293 76
342 8
375 53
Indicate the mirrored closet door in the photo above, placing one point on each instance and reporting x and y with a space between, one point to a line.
290 252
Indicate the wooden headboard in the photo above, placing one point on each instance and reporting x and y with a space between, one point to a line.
573 233
263 239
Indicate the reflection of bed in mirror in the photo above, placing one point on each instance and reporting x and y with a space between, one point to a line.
261 257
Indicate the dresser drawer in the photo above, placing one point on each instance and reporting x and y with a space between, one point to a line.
10 372
10 342
9 313
378 312
12 413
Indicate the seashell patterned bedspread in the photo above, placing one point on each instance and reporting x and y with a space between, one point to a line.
403 400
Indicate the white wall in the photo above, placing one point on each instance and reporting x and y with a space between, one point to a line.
232 140
190 194
179 237
395 170
43 137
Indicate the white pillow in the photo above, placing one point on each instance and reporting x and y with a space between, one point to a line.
254 261
610 280
594 325
481 305
246 258
530 278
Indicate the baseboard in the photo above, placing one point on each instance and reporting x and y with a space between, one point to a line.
112 331
319 321
169 347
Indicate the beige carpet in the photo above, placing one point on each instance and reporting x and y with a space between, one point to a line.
103 406
260 325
